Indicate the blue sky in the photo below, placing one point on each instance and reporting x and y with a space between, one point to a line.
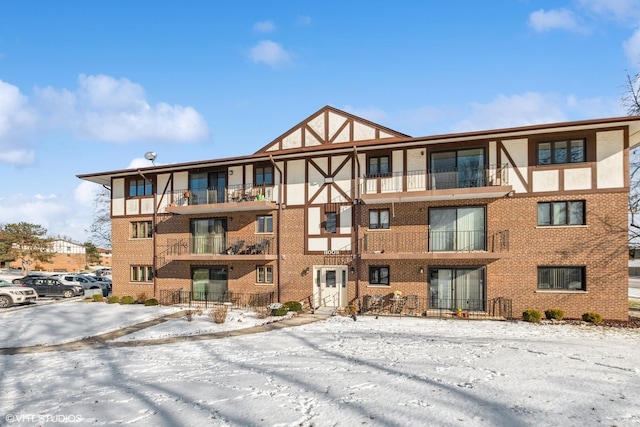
91 86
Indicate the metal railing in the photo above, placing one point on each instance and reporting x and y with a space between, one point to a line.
414 305
436 241
437 179
221 244
188 298
227 194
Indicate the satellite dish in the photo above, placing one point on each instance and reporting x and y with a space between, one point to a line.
150 155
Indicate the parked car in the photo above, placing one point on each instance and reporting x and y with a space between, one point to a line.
52 287
11 294
20 279
103 272
105 280
87 282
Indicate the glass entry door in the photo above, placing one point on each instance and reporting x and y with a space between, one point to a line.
209 283
330 288
453 288
207 187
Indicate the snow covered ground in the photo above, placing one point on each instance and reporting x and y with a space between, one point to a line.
371 372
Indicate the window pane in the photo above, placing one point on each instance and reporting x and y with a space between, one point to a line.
149 273
384 219
544 214
544 153
260 275
268 275
373 166
384 275
577 151
560 152
576 213
330 225
330 278
384 165
269 224
559 213
373 219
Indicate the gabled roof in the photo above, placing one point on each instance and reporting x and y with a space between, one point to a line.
329 126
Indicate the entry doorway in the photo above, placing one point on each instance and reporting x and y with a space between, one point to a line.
330 286
453 288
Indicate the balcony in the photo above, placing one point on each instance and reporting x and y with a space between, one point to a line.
479 244
443 184
233 198
221 247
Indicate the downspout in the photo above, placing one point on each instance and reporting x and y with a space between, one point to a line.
278 227
356 193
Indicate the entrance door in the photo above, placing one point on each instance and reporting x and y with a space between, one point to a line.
330 286
453 288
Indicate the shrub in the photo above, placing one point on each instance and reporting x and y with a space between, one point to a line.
592 317
554 314
141 298
150 302
98 298
218 315
113 299
351 310
293 305
127 299
280 311
532 315
189 315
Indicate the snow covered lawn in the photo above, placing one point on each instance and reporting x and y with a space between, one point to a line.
371 372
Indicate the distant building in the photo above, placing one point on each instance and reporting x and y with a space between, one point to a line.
69 256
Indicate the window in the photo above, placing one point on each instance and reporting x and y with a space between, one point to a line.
563 278
139 187
265 223
264 274
379 275
379 218
379 165
141 273
264 175
561 213
331 222
556 152
458 169
141 230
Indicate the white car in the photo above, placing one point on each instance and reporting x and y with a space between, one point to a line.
11 294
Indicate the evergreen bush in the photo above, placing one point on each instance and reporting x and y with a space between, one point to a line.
554 314
127 299
98 298
150 302
293 306
592 317
532 315
113 299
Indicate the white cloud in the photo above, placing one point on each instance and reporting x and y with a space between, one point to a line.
556 19
271 53
618 10
370 113
112 110
535 108
264 27
303 21
631 48
17 118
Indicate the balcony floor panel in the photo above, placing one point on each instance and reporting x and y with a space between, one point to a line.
258 205
433 195
436 255
221 257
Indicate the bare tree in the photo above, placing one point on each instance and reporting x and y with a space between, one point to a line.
100 228
631 101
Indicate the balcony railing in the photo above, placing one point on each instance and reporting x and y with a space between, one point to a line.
437 241
221 244
228 194
440 179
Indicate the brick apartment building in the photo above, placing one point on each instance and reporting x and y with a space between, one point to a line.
339 208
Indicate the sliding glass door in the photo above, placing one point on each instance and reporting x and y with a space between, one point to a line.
457 229
458 169
209 283
453 288
208 236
